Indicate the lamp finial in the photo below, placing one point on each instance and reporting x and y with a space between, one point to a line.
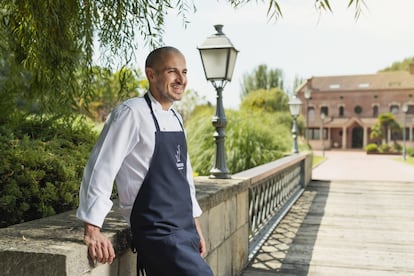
219 29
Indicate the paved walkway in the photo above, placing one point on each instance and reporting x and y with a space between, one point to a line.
357 165
355 218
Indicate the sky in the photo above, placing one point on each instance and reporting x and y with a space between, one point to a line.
302 43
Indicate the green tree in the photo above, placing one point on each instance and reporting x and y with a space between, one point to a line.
189 103
399 65
271 100
49 41
261 78
376 133
386 122
110 89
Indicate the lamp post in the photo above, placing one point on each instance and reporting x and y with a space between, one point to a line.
322 134
294 107
218 56
307 94
405 109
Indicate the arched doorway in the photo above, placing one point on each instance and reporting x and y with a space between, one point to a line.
357 137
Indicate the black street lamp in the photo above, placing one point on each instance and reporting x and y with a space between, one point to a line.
294 106
218 56
405 109
307 94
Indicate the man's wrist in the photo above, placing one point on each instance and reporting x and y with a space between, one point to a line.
89 228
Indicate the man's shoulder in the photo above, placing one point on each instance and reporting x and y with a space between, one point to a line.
131 107
135 102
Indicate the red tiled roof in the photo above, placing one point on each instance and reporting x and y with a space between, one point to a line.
381 81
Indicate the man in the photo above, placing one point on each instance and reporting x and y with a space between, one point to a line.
143 147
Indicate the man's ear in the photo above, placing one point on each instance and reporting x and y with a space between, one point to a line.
149 72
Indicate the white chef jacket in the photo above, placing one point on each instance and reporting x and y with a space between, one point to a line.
123 152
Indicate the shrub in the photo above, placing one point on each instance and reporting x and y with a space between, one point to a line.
396 147
384 148
252 139
371 148
41 168
410 151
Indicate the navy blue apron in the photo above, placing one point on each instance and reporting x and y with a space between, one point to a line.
162 224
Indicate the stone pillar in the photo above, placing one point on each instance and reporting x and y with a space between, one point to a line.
343 137
365 141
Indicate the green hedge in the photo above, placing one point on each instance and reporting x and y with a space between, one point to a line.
42 163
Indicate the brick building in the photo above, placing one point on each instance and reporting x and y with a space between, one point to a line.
351 105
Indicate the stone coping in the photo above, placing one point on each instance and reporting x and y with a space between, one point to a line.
59 238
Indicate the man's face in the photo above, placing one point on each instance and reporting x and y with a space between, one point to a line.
169 79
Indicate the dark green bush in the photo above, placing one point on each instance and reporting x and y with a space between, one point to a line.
371 148
41 167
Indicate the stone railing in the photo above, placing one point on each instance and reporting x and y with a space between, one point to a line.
273 189
54 246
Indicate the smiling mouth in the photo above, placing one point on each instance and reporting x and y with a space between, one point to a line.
178 87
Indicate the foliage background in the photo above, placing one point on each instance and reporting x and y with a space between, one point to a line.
41 166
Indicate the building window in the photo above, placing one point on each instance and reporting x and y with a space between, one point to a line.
311 113
325 110
314 133
407 134
410 109
394 109
358 109
396 135
341 111
375 111
363 85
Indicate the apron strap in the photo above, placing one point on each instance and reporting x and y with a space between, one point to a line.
175 114
148 100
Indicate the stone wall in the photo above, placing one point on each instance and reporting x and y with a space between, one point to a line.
54 245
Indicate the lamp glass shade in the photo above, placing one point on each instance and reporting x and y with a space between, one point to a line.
218 56
294 106
218 63
405 108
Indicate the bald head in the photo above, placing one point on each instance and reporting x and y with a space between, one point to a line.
157 56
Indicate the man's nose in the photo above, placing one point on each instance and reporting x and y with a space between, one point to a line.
181 78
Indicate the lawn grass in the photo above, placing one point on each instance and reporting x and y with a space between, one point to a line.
316 160
409 160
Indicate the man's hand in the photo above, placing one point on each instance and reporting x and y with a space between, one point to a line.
203 249
99 247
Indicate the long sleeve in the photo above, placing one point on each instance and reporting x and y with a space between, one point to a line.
117 139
